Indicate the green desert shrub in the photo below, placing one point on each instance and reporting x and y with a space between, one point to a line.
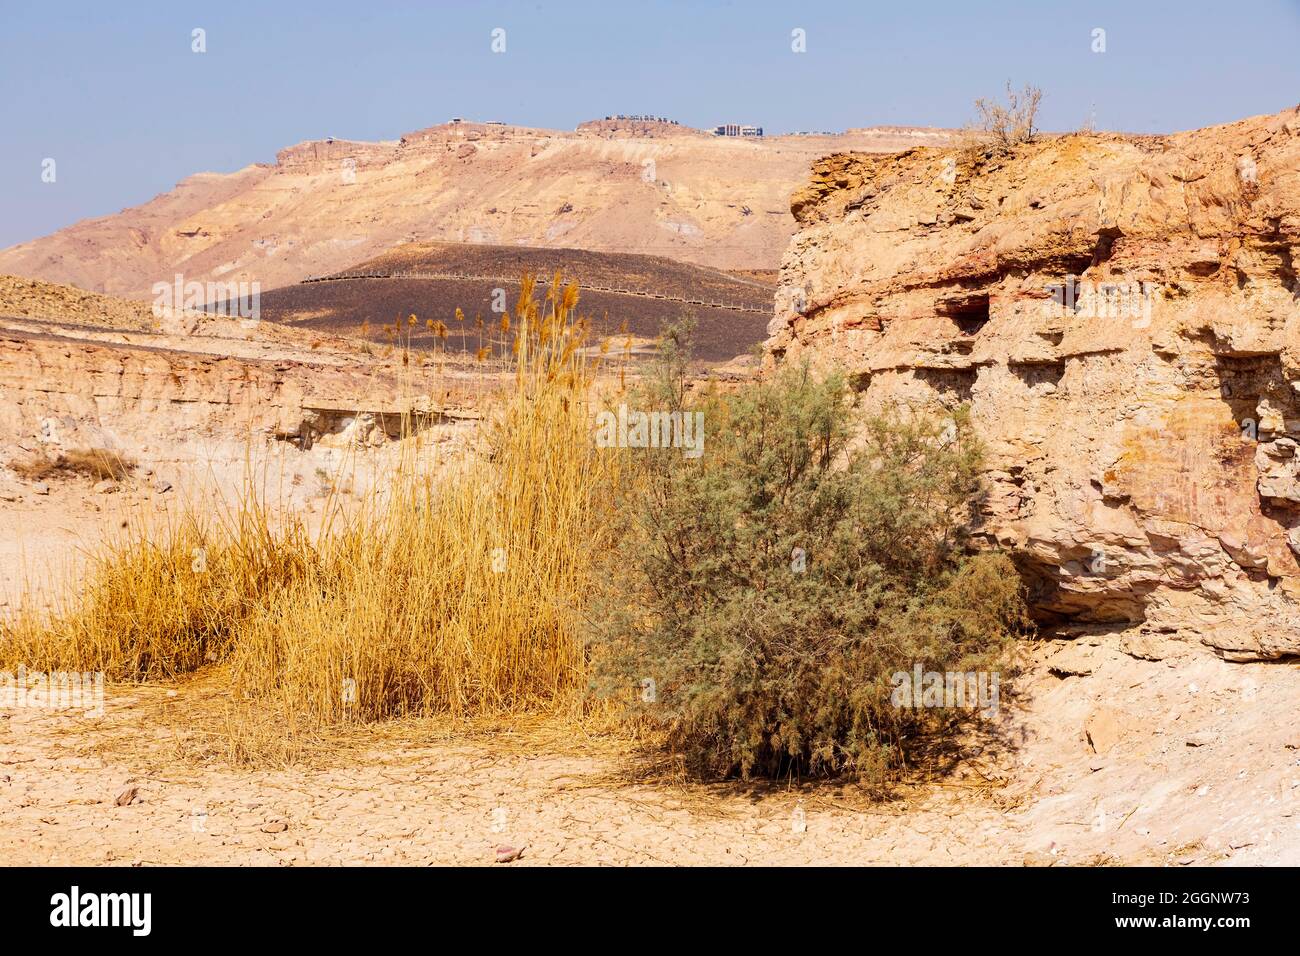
763 595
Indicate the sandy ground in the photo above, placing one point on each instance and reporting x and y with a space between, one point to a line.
1204 770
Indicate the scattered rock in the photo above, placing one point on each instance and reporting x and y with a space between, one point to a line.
274 826
40 488
1072 661
129 795
162 486
105 487
508 854
1202 739
1150 647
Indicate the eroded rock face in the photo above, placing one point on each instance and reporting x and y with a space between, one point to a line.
58 393
1122 315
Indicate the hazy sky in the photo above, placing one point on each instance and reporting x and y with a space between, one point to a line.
113 93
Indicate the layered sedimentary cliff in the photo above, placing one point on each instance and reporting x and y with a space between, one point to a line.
1123 317
142 396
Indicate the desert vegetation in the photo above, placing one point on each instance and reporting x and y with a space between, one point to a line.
763 594
445 592
539 573
98 463
158 603
1000 126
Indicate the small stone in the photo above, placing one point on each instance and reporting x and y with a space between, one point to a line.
508 854
128 796
1072 661
40 488
274 826
105 487
1202 739
162 486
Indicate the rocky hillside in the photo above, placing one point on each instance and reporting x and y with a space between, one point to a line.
32 299
325 205
1123 317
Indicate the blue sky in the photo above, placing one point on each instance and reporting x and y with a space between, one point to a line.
114 94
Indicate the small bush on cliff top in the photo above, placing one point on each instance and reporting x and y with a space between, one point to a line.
1012 122
762 595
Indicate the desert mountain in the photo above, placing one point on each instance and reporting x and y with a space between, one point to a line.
651 188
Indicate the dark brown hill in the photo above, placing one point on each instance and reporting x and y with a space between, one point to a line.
433 280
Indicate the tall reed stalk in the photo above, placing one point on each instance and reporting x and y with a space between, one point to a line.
452 590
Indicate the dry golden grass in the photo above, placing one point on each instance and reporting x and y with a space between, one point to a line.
159 602
444 593
457 592
97 463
